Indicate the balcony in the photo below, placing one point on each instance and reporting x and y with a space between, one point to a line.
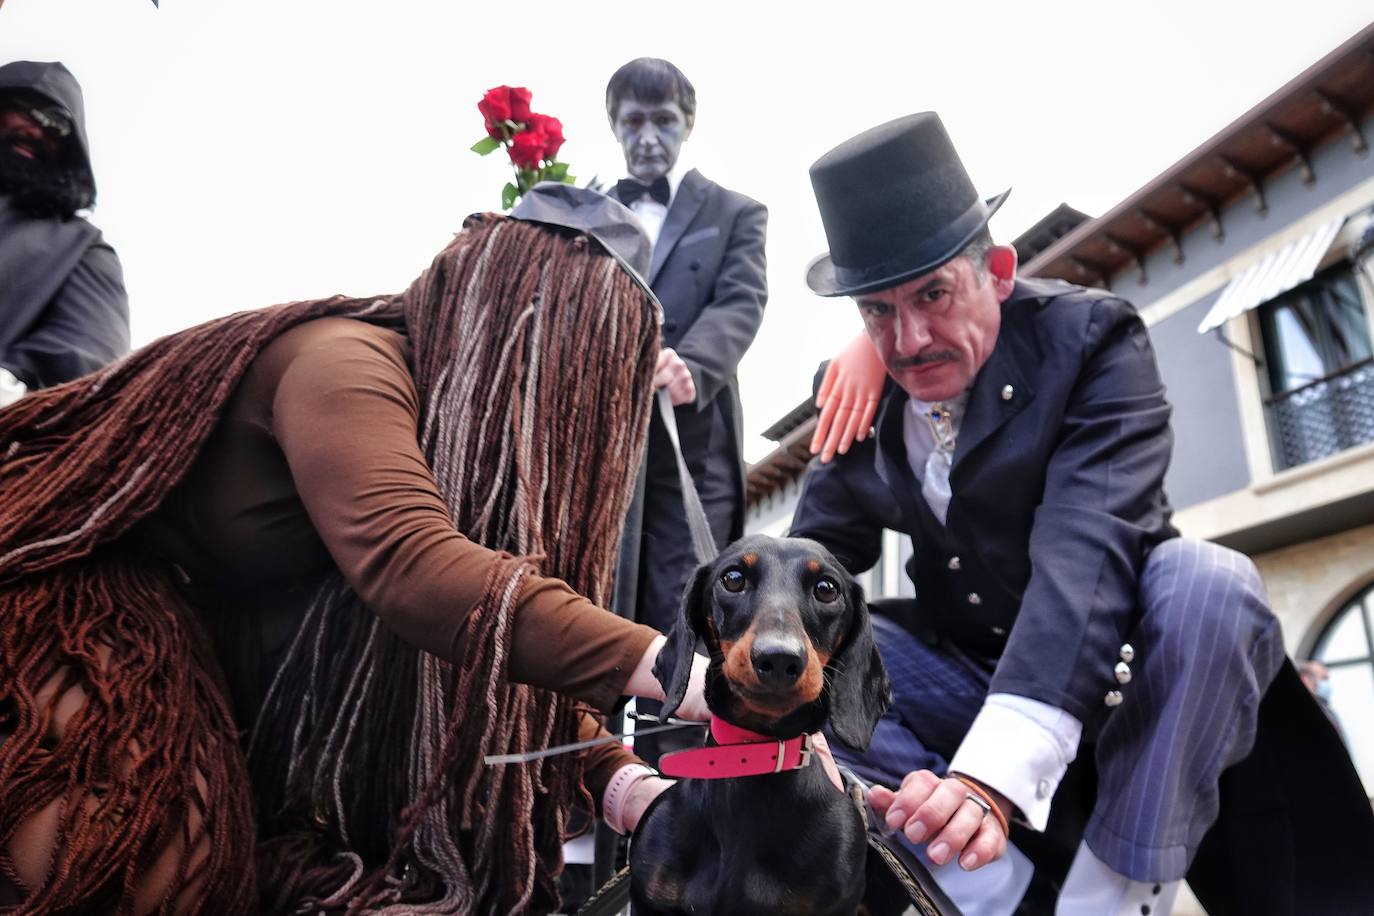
1323 417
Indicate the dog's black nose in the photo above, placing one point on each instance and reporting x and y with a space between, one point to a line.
778 660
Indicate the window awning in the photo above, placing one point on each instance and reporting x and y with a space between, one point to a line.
1273 275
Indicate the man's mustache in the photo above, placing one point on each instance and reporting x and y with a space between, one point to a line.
923 359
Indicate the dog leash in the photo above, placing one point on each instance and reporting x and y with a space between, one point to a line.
703 544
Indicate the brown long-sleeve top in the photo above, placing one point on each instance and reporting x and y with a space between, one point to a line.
315 465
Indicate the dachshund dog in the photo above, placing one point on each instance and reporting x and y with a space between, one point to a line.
791 650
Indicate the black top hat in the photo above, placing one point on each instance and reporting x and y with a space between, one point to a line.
896 203
608 221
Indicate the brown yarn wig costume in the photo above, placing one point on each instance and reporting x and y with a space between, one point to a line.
533 354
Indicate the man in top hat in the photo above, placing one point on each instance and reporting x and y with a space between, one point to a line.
63 310
708 271
1021 442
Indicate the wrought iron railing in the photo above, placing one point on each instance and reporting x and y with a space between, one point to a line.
1323 417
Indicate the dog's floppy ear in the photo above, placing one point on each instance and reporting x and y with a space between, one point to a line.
673 667
859 689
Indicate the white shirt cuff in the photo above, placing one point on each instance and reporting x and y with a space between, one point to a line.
1020 747
11 389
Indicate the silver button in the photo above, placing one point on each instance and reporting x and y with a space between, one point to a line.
999 631
953 563
1127 653
1123 673
1113 698
1042 789
975 598
1007 392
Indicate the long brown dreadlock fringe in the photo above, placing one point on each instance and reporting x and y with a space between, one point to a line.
533 363
79 465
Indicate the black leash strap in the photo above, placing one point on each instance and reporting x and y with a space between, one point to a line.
702 543
921 897
610 898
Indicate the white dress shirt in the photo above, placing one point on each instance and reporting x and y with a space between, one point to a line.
652 213
11 389
1018 746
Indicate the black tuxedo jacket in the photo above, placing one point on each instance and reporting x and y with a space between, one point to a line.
708 271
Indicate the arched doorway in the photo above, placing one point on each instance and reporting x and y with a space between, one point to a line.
1346 647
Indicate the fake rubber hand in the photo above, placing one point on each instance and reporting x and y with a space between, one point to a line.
671 372
848 398
928 808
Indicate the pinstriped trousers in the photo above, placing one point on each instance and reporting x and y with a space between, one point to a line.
1206 648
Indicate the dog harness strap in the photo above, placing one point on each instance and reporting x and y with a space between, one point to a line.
738 752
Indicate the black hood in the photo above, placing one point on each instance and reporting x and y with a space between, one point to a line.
53 80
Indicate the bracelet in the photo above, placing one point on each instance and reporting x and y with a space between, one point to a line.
617 790
989 804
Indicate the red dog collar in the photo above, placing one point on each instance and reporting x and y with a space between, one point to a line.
738 752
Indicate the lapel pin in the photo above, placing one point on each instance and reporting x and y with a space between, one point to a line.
1007 392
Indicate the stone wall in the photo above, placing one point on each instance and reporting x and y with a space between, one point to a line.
1311 581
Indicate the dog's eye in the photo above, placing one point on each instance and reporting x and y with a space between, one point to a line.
825 589
733 580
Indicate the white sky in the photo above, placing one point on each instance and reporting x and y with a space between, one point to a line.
250 152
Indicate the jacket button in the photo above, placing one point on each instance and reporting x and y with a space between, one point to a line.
975 598
1123 673
953 563
1007 392
999 631
1127 653
1113 698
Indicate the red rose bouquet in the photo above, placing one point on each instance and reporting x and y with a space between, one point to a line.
532 140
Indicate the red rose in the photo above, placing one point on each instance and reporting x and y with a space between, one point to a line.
504 103
495 108
527 148
519 104
552 129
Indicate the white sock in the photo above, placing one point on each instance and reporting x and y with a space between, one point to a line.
1093 889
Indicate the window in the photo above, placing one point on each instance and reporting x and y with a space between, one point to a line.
1320 367
1346 647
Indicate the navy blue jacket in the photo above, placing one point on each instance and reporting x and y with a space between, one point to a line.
1058 489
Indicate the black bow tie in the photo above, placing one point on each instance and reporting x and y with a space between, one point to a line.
629 190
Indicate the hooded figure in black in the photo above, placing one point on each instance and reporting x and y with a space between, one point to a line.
63 309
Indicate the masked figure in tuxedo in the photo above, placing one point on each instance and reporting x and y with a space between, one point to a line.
708 271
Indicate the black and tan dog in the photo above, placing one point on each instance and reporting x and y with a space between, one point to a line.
791 650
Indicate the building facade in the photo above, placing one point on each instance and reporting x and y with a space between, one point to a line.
1252 262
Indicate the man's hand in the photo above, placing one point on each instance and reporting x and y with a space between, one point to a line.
927 807
672 373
